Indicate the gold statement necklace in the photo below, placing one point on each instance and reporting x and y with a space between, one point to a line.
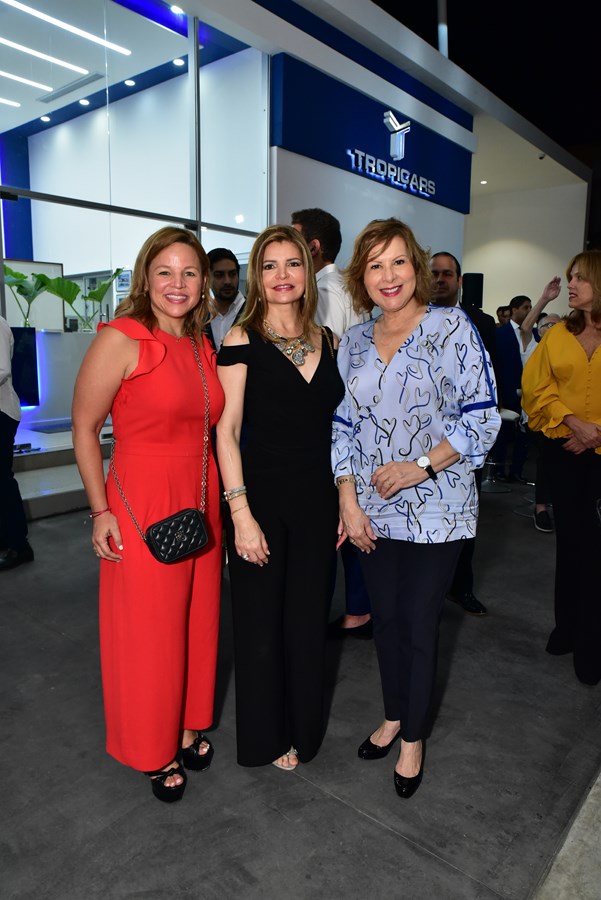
295 348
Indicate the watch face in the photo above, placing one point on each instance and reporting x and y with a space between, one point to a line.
423 462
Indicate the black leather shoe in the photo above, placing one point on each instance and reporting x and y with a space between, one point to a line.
363 632
191 757
558 645
9 559
469 604
160 790
368 750
406 787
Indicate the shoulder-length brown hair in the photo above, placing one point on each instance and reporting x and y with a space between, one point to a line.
137 303
380 232
589 266
255 309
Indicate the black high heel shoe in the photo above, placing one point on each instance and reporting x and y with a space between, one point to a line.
160 790
193 759
368 750
406 787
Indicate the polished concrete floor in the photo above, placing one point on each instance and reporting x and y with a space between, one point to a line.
509 806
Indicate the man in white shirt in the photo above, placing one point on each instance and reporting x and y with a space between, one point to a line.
321 230
224 270
14 547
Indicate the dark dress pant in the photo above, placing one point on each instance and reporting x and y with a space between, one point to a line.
280 614
407 584
576 497
13 523
463 579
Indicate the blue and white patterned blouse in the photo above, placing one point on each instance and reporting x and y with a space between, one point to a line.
439 384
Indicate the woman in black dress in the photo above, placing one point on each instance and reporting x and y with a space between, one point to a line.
279 374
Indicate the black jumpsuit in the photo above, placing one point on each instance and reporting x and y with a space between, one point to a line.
280 610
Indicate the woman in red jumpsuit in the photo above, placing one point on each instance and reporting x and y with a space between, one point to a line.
158 623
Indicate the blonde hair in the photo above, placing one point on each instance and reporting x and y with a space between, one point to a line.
137 304
255 308
382 232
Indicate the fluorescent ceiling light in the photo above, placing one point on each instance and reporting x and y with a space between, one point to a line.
36 53
9 102
35 84
65 25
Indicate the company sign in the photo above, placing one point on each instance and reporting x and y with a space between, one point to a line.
321 118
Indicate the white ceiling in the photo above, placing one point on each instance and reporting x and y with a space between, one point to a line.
505 160
150 45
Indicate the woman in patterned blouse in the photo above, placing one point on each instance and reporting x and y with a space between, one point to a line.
418 417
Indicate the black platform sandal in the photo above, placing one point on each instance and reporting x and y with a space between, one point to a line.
193 759
161 791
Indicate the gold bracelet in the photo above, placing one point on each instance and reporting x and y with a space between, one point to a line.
235 492
345 479
234 511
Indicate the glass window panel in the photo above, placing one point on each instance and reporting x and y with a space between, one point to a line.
234 138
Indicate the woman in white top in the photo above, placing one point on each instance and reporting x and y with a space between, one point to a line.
418 416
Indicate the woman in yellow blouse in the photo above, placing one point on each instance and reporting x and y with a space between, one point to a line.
561 393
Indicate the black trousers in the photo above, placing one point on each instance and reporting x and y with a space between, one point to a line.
407 584
13 523
463 579
512 438
576 497
542 478
280 614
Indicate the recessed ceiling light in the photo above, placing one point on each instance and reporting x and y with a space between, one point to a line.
179 62
9 102
85 102
239 219
66 27
130 82
177 10
38 55
484 182
35 84
44 118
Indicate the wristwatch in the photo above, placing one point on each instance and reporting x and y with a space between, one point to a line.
425 464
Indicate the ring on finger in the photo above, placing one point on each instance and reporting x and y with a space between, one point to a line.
245 557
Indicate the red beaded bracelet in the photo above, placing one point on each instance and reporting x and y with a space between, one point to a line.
100 512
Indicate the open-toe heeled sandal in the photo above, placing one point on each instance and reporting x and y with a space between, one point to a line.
162 791
192 758
278 765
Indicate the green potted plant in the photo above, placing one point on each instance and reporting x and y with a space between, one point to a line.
25 290
69 292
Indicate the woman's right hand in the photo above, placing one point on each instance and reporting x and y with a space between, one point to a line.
105 530
249 540
357 526
588 434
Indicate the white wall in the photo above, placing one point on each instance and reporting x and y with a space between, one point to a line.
300 183
144 164
520 240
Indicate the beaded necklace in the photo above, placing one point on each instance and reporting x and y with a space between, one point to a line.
295 348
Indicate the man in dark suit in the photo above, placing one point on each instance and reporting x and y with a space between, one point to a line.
446 272
511 356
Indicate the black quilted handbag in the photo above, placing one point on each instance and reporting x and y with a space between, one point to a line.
177 536
183 533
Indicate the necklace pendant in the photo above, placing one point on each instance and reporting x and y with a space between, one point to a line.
298 357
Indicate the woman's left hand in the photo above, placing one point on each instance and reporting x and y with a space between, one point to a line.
392 477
